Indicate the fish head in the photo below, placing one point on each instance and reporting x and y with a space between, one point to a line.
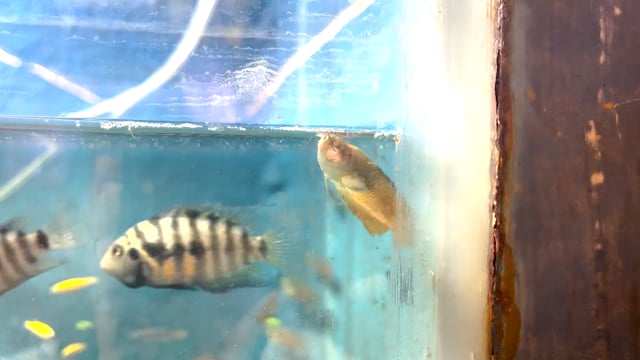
335 156
122 261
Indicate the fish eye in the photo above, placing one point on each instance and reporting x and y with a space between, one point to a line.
133 254
117 250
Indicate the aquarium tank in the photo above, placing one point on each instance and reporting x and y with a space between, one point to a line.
245 179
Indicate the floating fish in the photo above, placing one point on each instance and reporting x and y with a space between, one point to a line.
365 189
189 249
325 272
21 254
84 325
72 284
40 329
157 334
205 357
279 334
73 349
269 307
298 291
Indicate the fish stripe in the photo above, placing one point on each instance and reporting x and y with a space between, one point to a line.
232 248
192 214
262 248
239 252
229 226
11 257
140 235
222 258
42 240
5 279
213 217
246 247
196 250
25 249
214 247
177 251
155 251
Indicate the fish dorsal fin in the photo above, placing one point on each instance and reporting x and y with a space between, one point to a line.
207 210
14 223
370 222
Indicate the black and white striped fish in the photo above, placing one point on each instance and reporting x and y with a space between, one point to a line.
21 255
188 249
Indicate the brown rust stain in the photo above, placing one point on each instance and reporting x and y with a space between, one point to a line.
504 319
567 192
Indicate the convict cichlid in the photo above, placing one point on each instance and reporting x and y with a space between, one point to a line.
191 248
365 189
22 255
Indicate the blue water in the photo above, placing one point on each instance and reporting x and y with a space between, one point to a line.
103 182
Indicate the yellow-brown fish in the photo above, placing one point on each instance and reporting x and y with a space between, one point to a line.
365 189
282 336
21 255
191 248
73 284
73 349
157 334
297 290
324 271
40 329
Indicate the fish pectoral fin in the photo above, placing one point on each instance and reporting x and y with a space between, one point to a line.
181 287
331 192
370 222
354 183
255 275
260 275
45 264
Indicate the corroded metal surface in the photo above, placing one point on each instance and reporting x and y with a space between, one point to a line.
570 182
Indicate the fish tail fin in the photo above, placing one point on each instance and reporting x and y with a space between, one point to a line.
61 236
277 248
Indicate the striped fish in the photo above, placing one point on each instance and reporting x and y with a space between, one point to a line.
188 249
21 256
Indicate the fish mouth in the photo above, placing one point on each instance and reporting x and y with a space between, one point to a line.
324 137
104 263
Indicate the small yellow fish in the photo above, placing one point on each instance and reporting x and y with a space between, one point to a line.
365 189
73 284
84 325
40 329
279 334
73 349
